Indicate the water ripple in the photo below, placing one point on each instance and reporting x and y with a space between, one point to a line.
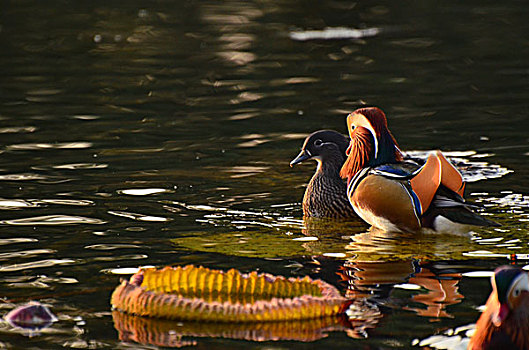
81 166
111 246
22 177
143 191
245 170
41 281
6 241
453 339
512 200
238 57
485 254
42 146
86 117
61 280
294 80
36 264
124 270
17 129
34 203
74 202
44 92
471 169
120 257
16 204
139 217
478 274
26 253
334 34
53 220
243 116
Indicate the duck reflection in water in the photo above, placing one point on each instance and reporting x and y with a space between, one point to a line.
377 280
442 292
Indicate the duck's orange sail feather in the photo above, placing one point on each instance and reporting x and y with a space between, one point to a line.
450 176
436 171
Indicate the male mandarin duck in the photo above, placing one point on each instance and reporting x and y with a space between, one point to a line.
394 195
505 322
326 193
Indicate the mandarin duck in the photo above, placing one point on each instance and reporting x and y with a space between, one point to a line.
505 322
396 195
326 193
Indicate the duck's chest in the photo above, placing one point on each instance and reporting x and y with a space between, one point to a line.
326 197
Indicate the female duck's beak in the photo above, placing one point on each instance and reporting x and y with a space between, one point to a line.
303 155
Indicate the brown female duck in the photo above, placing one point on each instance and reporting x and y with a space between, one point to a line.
326 193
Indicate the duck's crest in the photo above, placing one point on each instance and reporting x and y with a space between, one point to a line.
372 143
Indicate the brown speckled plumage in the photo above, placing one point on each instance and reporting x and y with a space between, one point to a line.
326 193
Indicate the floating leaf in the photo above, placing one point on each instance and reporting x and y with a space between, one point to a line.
33 315
198 293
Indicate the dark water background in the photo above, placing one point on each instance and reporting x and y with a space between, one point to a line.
159 133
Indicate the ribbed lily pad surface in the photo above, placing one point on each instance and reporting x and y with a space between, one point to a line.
198 293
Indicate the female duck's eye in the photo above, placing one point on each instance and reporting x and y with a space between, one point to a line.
318 143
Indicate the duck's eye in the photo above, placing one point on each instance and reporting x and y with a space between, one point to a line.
517 292
318 143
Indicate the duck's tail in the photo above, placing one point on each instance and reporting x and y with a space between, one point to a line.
452 206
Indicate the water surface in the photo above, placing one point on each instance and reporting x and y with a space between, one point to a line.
160 133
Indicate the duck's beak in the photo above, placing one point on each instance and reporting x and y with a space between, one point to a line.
303 155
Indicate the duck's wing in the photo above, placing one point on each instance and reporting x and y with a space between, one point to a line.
436 189
452 206
402 172
398 171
